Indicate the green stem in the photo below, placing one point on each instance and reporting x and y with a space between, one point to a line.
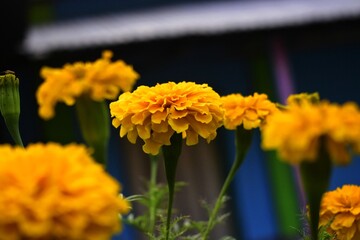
12 124
315 178
171 156
242 142
152 192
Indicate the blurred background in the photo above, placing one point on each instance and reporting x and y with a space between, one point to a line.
276 47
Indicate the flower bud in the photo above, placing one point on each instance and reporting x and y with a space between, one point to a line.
10 103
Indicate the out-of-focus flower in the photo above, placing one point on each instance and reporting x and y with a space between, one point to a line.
295 132
340 210
250 111
49 191
343 126
155 113
100 80
303 98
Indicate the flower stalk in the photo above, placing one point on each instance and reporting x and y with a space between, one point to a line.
153 205
315 178
10 104
171 155
243 139
94 122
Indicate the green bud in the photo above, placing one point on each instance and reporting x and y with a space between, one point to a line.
10 104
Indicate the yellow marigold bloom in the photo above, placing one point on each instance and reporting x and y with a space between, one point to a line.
155 113
250 111
341 208
295 133
100 80
49 191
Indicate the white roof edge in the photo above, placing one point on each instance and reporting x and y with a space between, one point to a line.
190 19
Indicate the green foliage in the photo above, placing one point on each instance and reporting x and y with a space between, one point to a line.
153 199
181 227
323 234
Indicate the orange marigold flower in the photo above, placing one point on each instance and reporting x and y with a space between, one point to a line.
340 210
250 111
295 132
155 113
49 191
100 80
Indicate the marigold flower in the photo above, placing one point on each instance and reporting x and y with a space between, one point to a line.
155 113
340 210
100 80
250 111
56 192
296 131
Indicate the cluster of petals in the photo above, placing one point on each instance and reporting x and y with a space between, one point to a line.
340 212
49 191
102 79
156 113
296 132
249 111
